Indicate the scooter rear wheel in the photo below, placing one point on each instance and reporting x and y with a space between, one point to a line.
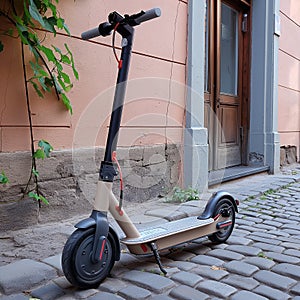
223 234
76 259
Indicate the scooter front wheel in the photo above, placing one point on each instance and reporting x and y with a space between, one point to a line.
77 264
222 235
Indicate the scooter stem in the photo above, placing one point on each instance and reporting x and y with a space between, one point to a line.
107 171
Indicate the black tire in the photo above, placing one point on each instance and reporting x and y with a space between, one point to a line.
223 234
77 265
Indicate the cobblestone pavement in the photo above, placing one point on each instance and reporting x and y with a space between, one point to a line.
261 259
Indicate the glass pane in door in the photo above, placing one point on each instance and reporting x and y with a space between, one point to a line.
229 51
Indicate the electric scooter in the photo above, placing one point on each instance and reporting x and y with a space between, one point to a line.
91 251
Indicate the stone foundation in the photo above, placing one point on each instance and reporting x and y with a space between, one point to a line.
68 181
288 155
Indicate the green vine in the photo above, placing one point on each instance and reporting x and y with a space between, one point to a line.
31 21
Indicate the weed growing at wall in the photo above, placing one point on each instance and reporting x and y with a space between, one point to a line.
180 195
30 21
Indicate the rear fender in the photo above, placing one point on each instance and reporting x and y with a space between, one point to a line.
213 201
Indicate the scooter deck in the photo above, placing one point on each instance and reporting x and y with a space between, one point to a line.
167 229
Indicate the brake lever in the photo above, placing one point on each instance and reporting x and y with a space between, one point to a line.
131 20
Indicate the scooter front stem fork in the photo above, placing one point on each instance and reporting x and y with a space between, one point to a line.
157 257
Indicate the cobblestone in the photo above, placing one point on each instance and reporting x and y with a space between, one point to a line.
274 280
241 282
266 235
48 292
23 275
241 268
263 240
251 229
268 247
242 295
134 293
225 254
290 245
105 296
207 260
237 240
271 293
14 297
83 294
288 270
112 285
212 272
283 258
182 265
161 297
262 263
292 252
246 250
263 226
186 278
183 292
216 288
296 289
156 283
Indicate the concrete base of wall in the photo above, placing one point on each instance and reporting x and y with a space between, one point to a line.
288 155
68 181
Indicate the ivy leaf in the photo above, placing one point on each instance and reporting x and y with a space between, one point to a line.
46 147
44 199
67 103
37 89
41 80
34 195
48 24
49 53
38 197
39 154
60 23
72 62
38 70
1 46
3 178
65 59
67 29
27 16
34 12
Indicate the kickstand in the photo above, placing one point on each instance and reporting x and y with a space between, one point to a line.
157 257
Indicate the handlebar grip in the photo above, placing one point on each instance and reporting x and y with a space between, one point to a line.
89 34
148 15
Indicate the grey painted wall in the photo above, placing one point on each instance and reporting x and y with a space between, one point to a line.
264 137
195 138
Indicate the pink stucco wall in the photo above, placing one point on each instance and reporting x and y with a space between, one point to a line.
154 112
289 74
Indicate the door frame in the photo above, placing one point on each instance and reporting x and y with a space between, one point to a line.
210 97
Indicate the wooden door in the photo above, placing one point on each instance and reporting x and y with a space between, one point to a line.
226 74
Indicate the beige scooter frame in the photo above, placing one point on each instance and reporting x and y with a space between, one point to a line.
164 235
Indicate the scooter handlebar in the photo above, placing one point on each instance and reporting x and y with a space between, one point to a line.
148 15
105 28
89 34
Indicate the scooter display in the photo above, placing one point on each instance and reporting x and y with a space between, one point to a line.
91 251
